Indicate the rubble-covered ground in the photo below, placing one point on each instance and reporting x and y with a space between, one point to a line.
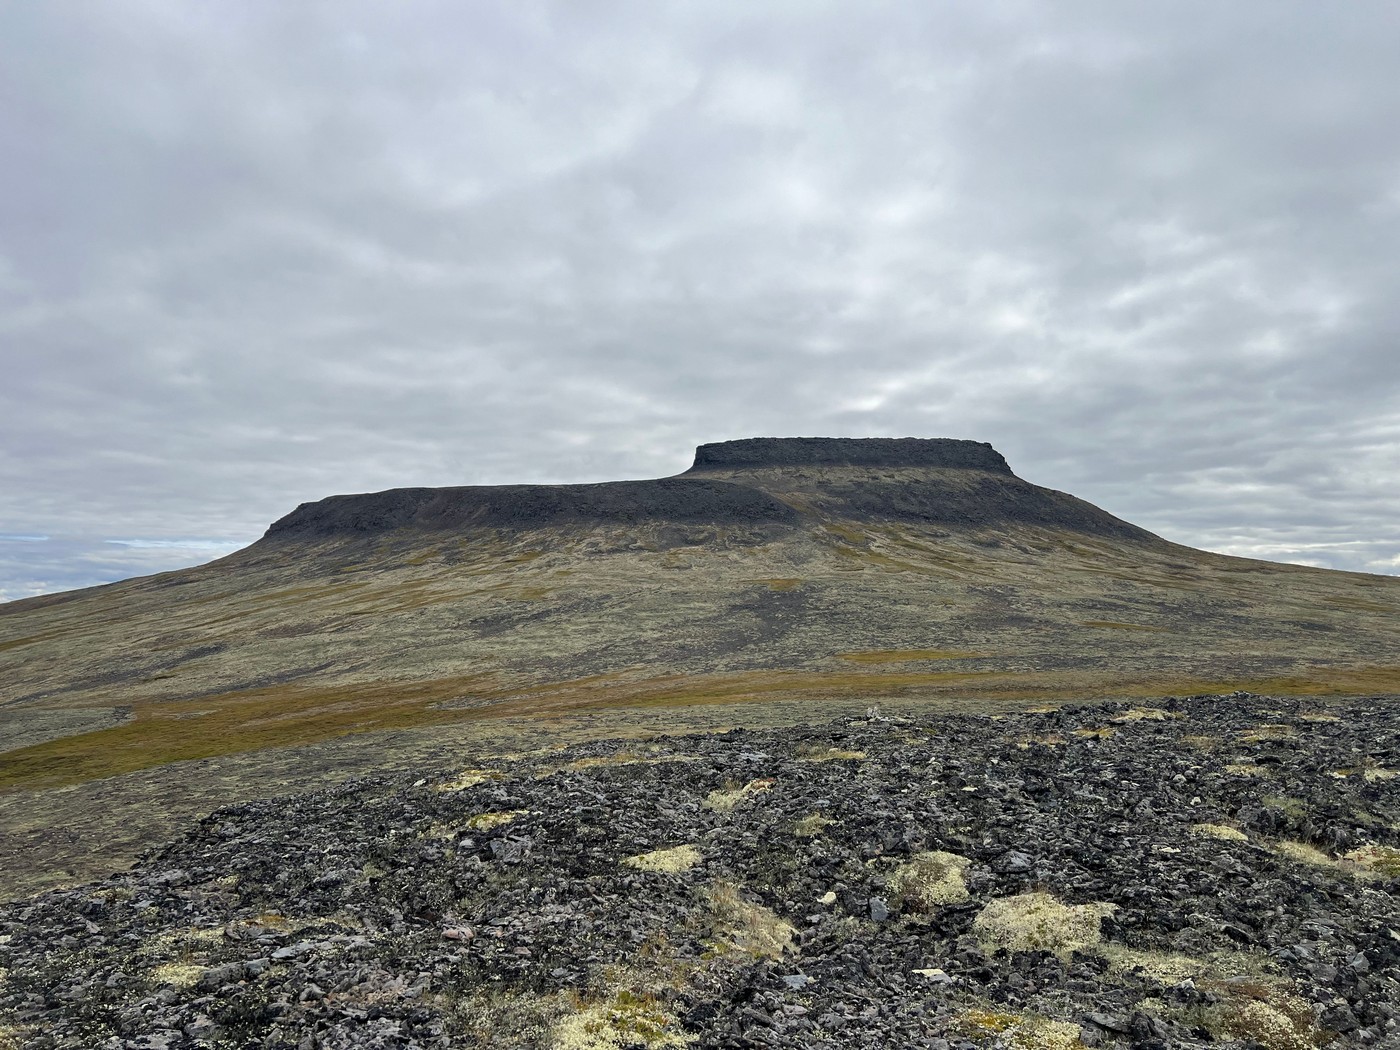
1214 871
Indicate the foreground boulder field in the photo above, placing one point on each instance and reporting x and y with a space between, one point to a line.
1211 871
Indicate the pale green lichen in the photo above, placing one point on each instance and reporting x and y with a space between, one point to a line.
929 880
626 1022
724 800
1223 832
811 826
1039 922
671 861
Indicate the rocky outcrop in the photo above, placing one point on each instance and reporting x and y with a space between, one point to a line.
1217 871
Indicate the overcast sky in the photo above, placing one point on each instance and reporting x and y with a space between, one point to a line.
253 254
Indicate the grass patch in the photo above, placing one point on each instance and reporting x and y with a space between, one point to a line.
740 926
470 778
1382 860
1143 714
161 732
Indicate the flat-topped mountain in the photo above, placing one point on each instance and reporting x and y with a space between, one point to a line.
785 482
777 580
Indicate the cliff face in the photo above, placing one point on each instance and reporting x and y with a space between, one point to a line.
762 483
934 453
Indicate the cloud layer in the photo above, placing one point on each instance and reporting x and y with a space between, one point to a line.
256 254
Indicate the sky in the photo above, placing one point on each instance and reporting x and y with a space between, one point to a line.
255 254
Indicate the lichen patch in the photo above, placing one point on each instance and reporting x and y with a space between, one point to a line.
1039 922
725 800
1223 832
929 880
671 861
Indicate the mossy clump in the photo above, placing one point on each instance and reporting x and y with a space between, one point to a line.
1032 922
724 800
929 880
1266 1012
671 861
742 926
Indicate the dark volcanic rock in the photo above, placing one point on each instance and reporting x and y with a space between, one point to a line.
1217 871
938 453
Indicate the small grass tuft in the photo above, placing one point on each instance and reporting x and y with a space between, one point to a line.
177 974
813 753
743 927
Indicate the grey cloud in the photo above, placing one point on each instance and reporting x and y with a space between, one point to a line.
255 255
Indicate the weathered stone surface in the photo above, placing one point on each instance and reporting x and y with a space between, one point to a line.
442 929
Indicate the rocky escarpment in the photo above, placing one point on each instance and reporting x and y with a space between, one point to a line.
766 484
1216 871
892 453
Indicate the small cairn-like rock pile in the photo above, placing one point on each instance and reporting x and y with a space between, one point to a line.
1211 871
